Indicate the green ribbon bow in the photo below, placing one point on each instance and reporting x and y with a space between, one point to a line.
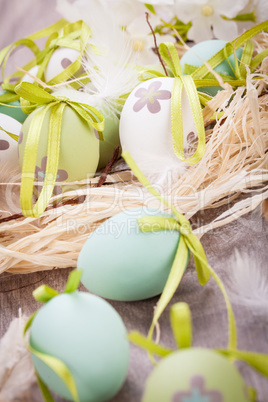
188 242
36 97
180 318
170 56
74 35
43 294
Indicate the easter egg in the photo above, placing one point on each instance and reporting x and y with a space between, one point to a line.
203 51
89 337
79 149
59 61
111 124
15 113
196 375
27 78
8 146
145 125
121 262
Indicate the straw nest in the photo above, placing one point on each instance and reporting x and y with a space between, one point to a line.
233 173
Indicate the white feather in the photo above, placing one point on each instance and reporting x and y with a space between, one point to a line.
16 368
248 280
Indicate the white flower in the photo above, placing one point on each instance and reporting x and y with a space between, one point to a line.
206 17
260 10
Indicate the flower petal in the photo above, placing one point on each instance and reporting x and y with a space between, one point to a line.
226 30
140 92
154 107
164 94
139 105
154 86
62 175
230 8
201 29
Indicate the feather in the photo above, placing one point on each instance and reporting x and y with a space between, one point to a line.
16 368
248 280
9 191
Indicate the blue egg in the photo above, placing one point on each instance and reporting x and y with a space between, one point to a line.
205 50
89 337
121 262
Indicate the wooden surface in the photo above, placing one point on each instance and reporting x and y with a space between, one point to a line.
19 18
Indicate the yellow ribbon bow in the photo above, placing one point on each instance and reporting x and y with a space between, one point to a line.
188 242
35 97
181 324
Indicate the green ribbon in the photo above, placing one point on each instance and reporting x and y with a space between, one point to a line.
74 35
14 136
43 294
170 56
35 97
180 318
188 243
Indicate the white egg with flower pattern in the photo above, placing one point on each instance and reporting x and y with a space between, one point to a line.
59 61
9 146
145 125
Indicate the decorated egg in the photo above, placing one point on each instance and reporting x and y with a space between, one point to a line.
89 337
145 125
195 375
111 126
15 113
27 78
121 262
59 61
203 51
9 146
79 149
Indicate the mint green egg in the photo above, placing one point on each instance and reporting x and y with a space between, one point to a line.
88 335
195 375
79 149
111 137
205 50
121 262
15 113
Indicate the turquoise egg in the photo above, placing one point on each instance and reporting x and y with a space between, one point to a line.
88 335
121 262
205 50
16 113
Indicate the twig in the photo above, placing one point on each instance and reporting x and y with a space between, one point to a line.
108 167
155 43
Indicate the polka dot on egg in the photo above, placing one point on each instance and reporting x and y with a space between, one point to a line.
65 62
4 145
20 138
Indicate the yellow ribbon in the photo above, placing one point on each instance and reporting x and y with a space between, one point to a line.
188 242
180 318
170 56
74 35
14 136
43 294
36 97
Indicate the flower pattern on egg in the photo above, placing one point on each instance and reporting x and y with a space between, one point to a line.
150 97
40 174
198 393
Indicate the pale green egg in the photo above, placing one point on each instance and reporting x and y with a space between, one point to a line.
204 51
121 262
79 149
89 337
195 375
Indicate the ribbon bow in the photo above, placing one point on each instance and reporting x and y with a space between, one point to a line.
74 36
43 294
188 243
182 82
181 324
36 97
